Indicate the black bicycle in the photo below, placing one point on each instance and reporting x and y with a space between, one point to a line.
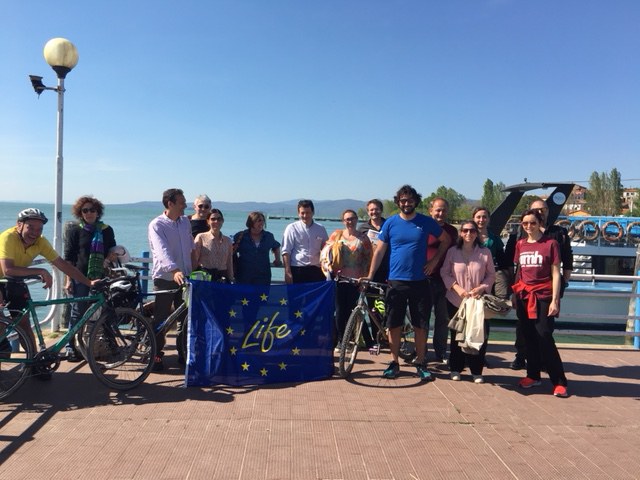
352 339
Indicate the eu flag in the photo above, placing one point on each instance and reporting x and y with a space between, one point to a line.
250 334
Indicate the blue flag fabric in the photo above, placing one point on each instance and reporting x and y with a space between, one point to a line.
251 335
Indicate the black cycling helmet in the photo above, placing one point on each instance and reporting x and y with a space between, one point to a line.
32 213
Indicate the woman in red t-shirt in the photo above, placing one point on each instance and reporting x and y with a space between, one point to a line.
537 293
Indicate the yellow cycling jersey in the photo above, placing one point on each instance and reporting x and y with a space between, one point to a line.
11 246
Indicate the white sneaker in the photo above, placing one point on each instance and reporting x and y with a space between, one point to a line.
455 376
478 379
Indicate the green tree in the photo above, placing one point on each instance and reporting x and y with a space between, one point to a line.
463 212
455 199
604 196
615 198
524 203
492 194
389 208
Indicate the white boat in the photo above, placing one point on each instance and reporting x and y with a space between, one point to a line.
602 295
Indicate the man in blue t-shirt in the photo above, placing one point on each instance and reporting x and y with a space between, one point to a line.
406 235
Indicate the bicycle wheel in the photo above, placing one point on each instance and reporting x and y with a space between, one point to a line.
349 345
14 366
82 335
121 349
407 350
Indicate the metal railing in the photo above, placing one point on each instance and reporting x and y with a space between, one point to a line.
632 319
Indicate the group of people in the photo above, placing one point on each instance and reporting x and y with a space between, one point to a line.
431 266
180 244
428 264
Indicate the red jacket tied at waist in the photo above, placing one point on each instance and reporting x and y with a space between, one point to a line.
531 294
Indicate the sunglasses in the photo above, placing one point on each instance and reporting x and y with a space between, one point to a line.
89 210
468 230
216 219
526 224
351 219
204 207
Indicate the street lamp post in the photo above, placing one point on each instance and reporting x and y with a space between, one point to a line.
62 56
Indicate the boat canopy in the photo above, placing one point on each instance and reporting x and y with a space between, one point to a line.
556 200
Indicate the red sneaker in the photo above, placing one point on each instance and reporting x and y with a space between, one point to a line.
527 382
560 391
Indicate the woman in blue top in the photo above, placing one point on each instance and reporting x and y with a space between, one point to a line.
252 247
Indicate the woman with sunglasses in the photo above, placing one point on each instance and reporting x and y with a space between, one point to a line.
214 251
467 271
86 245
537 293
351 255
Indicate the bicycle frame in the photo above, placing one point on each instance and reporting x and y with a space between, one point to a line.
97 301
168 322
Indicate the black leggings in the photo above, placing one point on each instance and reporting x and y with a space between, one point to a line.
540 345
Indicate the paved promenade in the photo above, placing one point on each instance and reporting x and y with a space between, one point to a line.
364 428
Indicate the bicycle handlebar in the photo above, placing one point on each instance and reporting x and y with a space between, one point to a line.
381 287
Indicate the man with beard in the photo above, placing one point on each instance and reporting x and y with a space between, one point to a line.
406 235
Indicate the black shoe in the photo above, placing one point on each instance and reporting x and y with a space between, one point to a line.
518 364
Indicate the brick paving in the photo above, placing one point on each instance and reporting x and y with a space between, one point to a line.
362 428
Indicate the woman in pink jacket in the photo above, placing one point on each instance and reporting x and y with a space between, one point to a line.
467 271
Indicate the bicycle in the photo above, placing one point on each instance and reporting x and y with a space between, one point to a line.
164 327
350 343
120 345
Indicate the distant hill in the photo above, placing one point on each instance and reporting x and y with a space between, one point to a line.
324 208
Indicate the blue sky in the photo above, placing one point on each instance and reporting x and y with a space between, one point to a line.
269 100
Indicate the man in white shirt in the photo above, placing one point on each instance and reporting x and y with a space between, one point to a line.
301 245
171 245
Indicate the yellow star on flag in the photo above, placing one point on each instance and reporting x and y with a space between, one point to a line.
245 302
283 301
263 297
302 332
298 314
232 313
245 366
295 351
282 365
264 372
233 350
230 330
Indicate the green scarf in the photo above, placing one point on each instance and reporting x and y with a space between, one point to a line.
95 268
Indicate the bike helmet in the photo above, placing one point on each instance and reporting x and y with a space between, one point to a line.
123 254
120 286
32 213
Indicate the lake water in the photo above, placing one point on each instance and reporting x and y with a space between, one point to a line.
130 223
